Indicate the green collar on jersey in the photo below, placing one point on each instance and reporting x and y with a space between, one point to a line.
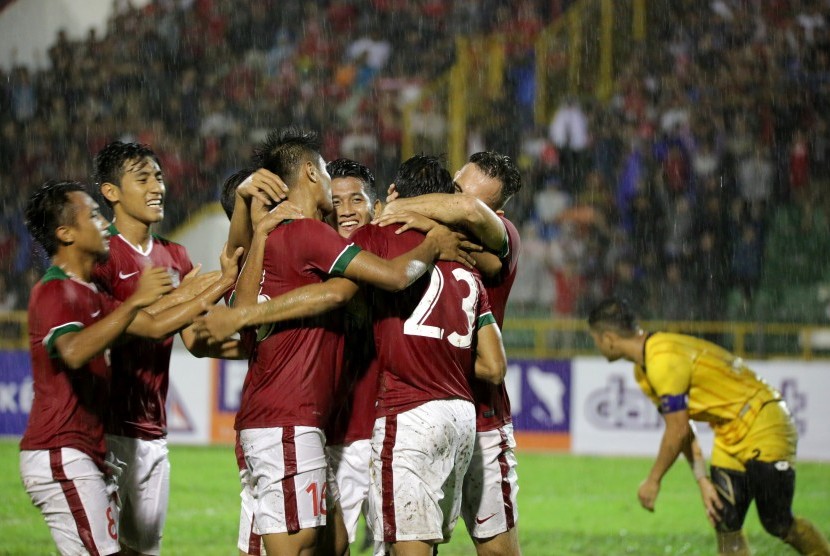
54 272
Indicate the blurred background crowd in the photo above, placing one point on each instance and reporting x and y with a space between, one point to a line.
699 188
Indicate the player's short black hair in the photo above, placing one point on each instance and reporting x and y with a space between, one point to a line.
348 168
228 196
422 174
614 314
502 168
111 161
49 208
284 150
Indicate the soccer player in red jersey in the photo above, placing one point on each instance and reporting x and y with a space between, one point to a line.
483 187
430 341
348 438
132 184
71 327
281 435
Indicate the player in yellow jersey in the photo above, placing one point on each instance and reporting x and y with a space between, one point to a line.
755 439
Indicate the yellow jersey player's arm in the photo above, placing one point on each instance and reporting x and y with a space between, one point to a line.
708 494
491 361
669 375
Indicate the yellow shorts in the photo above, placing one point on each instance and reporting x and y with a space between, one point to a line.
771 437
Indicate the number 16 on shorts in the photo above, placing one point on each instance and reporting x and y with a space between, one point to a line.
317 495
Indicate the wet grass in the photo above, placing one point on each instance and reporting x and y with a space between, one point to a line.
568 505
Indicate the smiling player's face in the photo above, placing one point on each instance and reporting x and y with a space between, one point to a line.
141 192
352 207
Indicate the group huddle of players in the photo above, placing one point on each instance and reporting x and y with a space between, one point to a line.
375 380
375 362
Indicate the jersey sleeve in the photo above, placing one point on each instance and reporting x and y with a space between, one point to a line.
485 312
58 315
322 248
512 246
670 377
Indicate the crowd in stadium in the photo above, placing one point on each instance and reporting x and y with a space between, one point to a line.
665 192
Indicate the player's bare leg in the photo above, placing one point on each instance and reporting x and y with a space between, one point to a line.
732 543
806 538
335 538
302 543
412 548
503 544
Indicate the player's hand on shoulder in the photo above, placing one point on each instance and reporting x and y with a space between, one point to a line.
409 221
153 283
269 220
391 193
453 246
263 185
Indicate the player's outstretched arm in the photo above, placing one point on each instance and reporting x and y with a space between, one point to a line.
77 348
491 361
459 210
191 285
402 271
676 435
176 318
307 301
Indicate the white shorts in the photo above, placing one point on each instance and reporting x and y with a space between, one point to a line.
143 489
248 542
419 458
75 498
349 465
288 473
491 484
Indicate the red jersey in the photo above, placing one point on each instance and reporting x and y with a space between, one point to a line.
492 403
425 335
141 365
294 369
354 416
69 405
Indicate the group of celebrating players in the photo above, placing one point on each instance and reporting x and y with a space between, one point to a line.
376 367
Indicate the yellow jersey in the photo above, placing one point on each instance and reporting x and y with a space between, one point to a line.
684 372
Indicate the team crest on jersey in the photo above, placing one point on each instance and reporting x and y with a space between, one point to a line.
175 277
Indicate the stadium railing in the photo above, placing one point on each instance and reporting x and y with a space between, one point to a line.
558 338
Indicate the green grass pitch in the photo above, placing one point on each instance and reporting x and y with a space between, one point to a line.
568 505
